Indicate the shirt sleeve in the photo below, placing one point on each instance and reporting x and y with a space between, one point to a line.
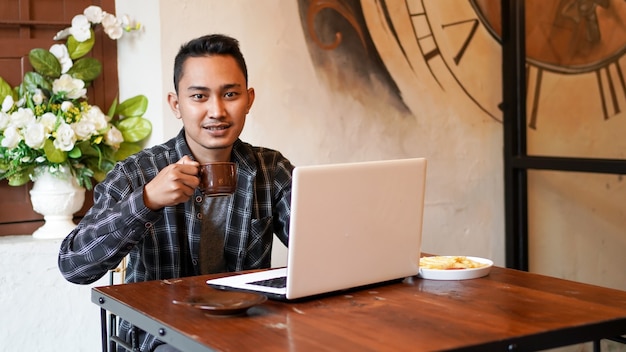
106 234
282 210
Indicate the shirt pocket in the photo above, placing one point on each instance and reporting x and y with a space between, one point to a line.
260 243
260 232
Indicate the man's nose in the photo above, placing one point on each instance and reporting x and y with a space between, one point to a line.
215 108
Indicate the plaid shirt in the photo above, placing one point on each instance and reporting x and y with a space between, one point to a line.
164 244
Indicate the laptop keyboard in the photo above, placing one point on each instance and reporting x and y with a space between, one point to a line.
277 282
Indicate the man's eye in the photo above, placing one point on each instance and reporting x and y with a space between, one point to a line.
197 96
230 95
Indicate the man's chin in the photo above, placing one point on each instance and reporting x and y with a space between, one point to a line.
218 146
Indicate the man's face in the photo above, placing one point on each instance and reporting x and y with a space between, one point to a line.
213 101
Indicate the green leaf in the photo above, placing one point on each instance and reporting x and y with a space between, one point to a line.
87 149
18 179
53 154
45 63
135 106
33 80
112 109
77 49
99 176
75 153
5 89
134 129
99 168
86 69
126 150
19 90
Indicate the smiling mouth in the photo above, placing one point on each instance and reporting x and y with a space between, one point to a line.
216 128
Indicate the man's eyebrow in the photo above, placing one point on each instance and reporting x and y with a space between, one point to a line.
200 88
223 87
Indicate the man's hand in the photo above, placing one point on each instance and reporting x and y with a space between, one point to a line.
174 184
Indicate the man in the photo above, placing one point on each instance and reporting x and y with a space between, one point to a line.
149 206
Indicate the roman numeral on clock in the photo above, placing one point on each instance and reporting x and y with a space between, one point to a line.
612 87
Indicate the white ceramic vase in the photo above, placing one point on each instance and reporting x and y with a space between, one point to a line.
57 199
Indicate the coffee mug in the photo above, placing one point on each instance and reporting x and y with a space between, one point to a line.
218 178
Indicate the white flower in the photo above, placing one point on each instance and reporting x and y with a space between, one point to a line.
130 24
48 121
81 28
38 97
84 129
94 14
66 105
114 32
97 117
22 118
65 137
12 137
7 103
34 135
113 137
112 26
126 22
4 120
40 159
73 88
61 53
62 34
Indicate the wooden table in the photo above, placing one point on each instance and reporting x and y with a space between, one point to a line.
506 310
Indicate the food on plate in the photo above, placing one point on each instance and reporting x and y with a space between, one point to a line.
449 263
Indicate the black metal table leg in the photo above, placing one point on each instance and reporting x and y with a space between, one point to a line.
103 329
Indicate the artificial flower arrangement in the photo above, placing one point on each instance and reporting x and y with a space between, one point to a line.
47 124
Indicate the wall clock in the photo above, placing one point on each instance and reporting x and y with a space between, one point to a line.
439 40
575 51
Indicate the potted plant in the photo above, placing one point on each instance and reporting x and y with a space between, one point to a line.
48 128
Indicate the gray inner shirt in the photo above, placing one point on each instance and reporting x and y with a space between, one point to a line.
214 216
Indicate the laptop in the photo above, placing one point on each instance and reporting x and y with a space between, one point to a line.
352 225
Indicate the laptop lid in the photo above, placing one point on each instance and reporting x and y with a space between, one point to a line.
352 225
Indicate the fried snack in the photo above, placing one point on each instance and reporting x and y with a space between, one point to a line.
449 263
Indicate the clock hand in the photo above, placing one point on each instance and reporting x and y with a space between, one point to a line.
585 9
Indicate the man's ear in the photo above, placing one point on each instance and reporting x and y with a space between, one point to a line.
250 98
172 100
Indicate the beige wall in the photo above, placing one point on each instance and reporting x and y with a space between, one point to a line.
576 220
297 113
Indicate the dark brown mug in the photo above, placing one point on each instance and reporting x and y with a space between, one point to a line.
218 178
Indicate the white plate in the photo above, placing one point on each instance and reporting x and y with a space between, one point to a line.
458 274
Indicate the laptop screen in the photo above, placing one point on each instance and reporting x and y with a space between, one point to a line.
351 225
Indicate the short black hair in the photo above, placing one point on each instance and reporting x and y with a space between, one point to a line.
208 45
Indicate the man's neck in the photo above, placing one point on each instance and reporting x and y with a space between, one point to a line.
214 155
